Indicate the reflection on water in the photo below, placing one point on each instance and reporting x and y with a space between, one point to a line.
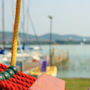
79 61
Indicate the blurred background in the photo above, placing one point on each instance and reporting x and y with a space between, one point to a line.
54 38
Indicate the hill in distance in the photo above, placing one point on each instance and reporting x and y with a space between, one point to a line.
45 37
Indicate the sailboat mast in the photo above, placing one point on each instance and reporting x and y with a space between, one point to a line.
23 14
3 24
12 13
23 21
28 6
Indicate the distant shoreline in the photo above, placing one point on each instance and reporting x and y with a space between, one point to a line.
45 39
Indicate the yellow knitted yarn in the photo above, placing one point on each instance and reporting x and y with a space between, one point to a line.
15 33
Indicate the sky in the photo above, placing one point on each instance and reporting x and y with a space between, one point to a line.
69 16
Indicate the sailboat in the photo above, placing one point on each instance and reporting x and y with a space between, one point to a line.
26 59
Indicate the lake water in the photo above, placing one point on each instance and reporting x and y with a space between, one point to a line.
79 60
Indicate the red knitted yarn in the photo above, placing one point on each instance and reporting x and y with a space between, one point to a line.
3 66
20 81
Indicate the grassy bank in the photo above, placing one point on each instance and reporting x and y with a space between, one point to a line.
77 84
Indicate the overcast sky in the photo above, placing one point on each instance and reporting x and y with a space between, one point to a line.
69 16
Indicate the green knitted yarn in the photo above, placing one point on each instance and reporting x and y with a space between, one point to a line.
14 69
6 75
11 72
2 77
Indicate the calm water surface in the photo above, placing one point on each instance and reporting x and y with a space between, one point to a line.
79 60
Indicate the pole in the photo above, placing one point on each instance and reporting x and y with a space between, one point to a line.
15 33
50 44
23 22
3 24
28 11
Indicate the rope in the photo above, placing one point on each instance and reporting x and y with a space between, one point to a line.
15 33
